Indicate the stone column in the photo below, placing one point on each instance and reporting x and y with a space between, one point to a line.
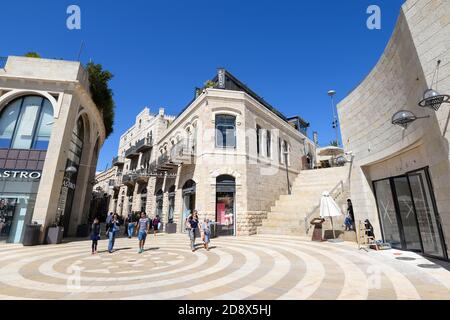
151 199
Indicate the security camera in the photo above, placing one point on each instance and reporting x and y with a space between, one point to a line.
349 153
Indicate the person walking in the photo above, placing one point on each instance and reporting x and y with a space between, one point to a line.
350 213
191 226
108 221
205 227
156 224
143 228
131 225
95 235
113 229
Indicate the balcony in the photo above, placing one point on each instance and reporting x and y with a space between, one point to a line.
131 153
129 179
144 145
118 161
181 153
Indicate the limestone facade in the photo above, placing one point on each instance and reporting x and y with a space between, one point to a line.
188 150
398 81
64 86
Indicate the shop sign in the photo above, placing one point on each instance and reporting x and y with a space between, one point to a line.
13 174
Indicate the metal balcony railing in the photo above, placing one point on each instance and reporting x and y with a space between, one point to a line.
131 153
118 161
144 144
129 179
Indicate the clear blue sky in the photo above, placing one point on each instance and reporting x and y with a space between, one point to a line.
289 52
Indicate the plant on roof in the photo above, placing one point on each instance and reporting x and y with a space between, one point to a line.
102 94
209 84
32 55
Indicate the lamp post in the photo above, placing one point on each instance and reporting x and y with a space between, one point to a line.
331 94
287 170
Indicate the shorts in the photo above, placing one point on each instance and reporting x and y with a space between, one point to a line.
142 235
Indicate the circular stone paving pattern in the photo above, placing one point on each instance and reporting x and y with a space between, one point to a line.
259 267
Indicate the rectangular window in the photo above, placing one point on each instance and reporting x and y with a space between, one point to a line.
258 140
269 143
280 151
225 131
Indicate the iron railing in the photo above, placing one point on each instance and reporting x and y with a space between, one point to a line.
335 193
118 161
144 144
131 153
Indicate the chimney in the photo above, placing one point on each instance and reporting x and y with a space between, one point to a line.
161 112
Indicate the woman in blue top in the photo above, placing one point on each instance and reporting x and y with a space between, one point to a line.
113 228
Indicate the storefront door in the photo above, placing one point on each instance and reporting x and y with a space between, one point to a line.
225 205
408 214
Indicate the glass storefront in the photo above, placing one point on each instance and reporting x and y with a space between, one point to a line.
225 205
408 214
171 207
159 203
189 190
17 201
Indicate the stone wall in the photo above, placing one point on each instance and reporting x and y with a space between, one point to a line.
397 82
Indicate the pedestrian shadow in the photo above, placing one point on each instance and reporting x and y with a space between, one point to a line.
115 250
151 249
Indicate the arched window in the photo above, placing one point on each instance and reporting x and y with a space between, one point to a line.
26 123
225 131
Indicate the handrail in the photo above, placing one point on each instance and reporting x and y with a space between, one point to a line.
339 186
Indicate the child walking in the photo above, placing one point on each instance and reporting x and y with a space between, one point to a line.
206 233
95 235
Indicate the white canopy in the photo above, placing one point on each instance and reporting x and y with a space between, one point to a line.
328 207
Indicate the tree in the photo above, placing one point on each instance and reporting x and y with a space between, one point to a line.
334 143
102 94
32 54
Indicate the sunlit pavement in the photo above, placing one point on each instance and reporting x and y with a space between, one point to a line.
259 267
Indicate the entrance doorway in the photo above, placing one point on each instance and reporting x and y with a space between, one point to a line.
171 207
159 203
408 214
189 190
225 205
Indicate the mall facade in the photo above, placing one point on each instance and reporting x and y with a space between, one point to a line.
401 175
50 136
229 154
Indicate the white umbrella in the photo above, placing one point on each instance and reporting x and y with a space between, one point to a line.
329 208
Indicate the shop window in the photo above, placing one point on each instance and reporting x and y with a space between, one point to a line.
225 205
225 131
26 123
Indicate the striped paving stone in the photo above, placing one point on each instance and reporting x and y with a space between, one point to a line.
243 268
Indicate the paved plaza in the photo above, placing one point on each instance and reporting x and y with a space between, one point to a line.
259 267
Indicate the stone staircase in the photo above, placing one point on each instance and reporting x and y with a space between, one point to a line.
292 214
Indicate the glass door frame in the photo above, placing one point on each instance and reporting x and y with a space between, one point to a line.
399 218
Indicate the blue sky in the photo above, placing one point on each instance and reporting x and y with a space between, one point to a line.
289 52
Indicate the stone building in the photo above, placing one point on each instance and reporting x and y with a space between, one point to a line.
401 177
50 136
228 154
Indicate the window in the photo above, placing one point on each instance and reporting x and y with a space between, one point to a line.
225 131
269 144
258 139
280 152
26 123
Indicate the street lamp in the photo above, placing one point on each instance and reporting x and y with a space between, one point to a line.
432 98
403 118
331 94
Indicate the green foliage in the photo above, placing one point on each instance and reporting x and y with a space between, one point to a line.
32 55
101 94
334 143
209 84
